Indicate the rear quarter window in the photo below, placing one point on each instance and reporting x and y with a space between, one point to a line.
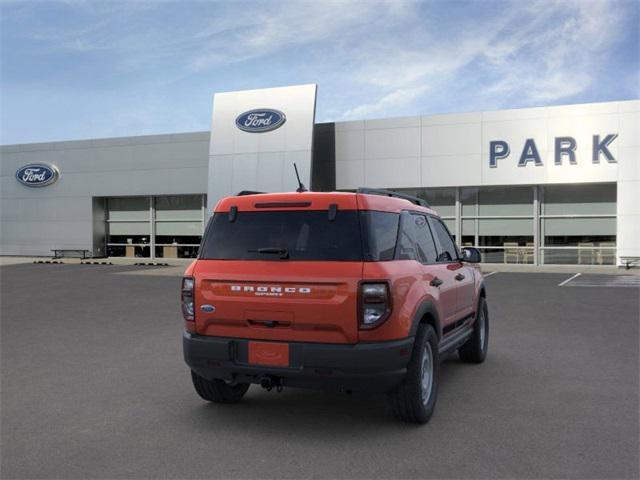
380 232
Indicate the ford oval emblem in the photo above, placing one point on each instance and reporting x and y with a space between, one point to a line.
260 120
37 175
208 308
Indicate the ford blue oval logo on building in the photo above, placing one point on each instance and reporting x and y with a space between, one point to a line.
260 120
37 175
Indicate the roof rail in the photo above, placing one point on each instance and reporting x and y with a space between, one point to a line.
248 192
388 193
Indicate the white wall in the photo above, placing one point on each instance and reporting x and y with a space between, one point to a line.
35 220
629 180
240 160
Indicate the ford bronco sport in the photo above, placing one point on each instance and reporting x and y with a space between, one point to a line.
360 291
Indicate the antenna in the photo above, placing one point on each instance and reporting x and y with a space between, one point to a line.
301 188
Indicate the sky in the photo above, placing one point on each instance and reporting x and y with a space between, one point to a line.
79 69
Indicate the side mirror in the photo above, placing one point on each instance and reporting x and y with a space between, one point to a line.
471 255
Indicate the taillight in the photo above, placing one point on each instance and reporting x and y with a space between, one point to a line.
375 304
187 299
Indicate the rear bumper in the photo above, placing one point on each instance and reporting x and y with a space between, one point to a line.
364 367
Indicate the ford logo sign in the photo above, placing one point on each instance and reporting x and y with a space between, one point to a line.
37 175
260 120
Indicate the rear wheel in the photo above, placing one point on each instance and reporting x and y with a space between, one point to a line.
218 391
475 349
415 398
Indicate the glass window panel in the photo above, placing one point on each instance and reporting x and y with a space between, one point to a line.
380 231
128 208
129 228
505 201
591 199
451 225
176 251
579 226
416 242
179 207
468 227
468 233
442 200
178 228
506 226
579 256
511 234
469 199
128 251
510 253
301 234
447 250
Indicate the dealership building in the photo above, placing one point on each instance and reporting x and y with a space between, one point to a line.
548 185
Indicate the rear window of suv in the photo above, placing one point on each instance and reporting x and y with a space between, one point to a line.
301 235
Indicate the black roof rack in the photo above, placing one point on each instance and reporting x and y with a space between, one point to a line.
248 192
388 193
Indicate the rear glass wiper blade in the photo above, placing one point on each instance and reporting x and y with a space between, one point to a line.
283 252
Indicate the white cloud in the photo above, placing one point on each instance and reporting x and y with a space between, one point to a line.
370 58
558 61
537 52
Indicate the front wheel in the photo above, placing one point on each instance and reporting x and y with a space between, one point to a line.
218 391
475 349
415 398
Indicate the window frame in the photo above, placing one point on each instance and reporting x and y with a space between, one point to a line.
430 232
457 259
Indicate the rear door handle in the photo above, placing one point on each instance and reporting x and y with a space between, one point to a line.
459 277
436 282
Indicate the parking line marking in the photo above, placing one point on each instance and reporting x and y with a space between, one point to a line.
489 274
569 279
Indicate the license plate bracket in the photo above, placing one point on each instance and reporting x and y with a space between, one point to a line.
270 354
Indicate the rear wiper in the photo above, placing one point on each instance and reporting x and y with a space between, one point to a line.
283 252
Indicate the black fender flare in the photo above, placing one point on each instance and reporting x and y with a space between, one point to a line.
426 307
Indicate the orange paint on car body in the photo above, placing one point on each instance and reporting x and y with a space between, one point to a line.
318 289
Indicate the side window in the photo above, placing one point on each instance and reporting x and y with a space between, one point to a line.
416 242
380 231
447 251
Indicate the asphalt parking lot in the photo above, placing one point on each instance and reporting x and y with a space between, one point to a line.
94 386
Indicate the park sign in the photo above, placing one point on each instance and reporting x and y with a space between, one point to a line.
565 147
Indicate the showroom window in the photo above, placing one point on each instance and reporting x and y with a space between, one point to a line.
578 224
499 221
178 221
554 224
129 230
159 227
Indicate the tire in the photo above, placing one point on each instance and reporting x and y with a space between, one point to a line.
218 391
412 401
475 349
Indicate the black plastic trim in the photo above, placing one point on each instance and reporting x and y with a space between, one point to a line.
455 340
370 366
426 307
389 193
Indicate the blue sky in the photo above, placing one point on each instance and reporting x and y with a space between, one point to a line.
84 69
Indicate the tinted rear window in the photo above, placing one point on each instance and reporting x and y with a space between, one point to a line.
380 232
305 235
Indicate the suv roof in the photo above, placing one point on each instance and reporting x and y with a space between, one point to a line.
363 199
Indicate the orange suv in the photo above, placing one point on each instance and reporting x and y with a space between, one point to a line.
362 291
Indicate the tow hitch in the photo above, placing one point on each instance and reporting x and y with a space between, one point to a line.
269 382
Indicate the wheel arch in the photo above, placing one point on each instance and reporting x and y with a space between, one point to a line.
482 290
426 314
